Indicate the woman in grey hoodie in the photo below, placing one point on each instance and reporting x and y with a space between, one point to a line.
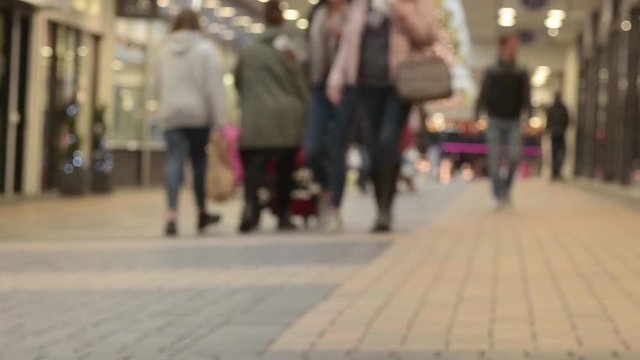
190 93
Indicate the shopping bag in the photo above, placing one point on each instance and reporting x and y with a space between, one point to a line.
221 180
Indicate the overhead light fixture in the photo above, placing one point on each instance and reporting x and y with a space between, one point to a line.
543 70
256 28
263 1
163 3
506 22
507 17
553 23
536 122
211 4
302 24
507 12
555 19
241 21
626 25
553 32
291 14
557 14
314 2
226 12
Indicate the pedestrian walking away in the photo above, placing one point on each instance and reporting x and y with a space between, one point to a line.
379 36
189 89
328 126
270 81
505 96
557 124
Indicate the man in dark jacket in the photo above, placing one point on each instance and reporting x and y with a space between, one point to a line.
557 124
505 96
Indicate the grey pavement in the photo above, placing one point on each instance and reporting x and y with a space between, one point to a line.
556 277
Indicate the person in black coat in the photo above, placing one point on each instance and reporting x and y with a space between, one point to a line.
557 124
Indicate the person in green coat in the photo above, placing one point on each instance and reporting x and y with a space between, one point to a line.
272 88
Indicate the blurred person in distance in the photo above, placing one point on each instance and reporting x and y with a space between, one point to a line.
379 36
270 81
557 124
505 96
189 88
328 125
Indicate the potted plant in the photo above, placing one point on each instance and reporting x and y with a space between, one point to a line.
72 172
102 158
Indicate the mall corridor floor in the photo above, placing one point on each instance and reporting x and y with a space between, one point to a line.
556 277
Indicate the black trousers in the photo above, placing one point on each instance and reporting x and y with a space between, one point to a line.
558 153
255 166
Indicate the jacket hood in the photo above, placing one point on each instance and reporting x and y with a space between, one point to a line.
180 42
272 32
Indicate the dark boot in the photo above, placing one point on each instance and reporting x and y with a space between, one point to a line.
250 218
387 181
205 220
285 224
171 229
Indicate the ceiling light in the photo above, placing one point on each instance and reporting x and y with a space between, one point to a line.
545 70
163 3
291 14
241 21
535 122
226 12
302 24
553 23
263 1
556 13
506 21
256 28
626 25
314 2
553 32
507 12
211 4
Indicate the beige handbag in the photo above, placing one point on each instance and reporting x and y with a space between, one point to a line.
220 181
422 80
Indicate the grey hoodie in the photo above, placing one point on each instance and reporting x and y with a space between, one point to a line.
188 82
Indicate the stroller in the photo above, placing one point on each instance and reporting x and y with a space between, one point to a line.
305 195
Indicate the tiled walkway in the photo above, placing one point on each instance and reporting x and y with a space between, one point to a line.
557 277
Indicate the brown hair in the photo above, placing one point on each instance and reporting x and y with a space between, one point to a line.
273 13
186 19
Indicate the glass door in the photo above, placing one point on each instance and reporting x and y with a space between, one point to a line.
14 48
71 66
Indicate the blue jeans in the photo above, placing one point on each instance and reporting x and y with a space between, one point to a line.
180 143
326 140
501 133
385 116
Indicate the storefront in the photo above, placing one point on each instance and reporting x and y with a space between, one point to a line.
15 27
608 124
58 79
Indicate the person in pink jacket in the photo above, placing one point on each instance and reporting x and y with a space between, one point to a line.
379 36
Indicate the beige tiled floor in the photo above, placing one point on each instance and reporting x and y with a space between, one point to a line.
556 277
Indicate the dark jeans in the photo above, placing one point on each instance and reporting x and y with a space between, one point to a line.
255 165
326 140
558 153
385 116
180 143
503 133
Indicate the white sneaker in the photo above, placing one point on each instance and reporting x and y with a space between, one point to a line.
324 205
